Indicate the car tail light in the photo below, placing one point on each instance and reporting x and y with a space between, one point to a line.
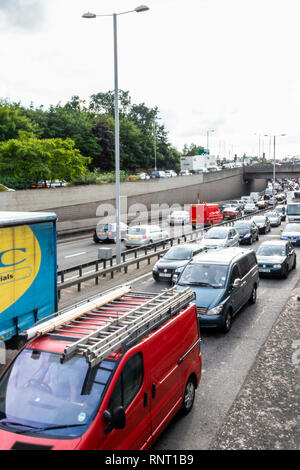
145 236
110 234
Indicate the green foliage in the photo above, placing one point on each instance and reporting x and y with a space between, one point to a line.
31 136
41 159
192 149
13 121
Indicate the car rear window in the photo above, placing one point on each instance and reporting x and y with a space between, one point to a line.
136 231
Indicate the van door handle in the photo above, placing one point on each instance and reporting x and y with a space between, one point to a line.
153 390
145 399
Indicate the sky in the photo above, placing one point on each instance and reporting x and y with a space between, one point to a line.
227 66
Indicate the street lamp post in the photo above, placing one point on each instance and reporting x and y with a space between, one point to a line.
89 15
154 136
274 156
207 136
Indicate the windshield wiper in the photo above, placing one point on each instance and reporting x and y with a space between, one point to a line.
48 428
15 423
198 283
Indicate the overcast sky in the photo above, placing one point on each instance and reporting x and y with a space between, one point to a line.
228 65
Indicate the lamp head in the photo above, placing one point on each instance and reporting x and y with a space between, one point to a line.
141 8
89 15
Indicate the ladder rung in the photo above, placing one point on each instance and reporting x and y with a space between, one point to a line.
110 337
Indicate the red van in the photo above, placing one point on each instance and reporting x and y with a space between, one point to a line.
205 214
107 374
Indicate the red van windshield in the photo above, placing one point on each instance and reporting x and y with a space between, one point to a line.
38 392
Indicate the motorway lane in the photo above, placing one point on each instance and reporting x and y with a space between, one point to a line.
76 252
226 359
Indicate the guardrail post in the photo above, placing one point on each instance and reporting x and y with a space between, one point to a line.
97 278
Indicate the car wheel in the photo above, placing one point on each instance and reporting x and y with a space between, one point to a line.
250 241
295 263
189 396
96 240
227 322
257 238
253 296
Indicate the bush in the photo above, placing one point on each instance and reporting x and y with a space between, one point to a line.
14 183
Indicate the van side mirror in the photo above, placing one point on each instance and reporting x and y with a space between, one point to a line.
237 283
174 278
116 419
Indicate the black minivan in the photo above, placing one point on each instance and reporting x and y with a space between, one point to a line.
224 281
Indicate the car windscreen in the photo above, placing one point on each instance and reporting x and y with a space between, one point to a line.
271 250
293 209
292 228
178 214
271 214
38 392
178 253
217 233
259 219
136 231
205 275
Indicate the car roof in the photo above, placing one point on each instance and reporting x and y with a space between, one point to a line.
221 256
274 242
221 227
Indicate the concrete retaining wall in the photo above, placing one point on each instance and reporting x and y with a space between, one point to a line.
77 205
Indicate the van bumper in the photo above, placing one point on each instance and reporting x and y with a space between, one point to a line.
210 321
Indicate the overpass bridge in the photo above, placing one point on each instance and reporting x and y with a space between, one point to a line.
265 171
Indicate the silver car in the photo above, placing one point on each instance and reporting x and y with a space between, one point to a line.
140 235
178 218
220 237
106 232
274 218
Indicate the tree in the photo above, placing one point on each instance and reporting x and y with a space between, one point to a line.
13 120
41 159
193 149
104 103
105 157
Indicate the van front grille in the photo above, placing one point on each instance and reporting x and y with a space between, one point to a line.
201 310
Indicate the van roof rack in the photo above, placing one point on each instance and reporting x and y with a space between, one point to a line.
114 321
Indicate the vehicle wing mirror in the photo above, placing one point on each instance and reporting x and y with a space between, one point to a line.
116 419
174 278
237 283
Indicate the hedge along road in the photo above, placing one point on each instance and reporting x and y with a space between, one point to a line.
226 359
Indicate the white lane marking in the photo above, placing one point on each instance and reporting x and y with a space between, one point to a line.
76 254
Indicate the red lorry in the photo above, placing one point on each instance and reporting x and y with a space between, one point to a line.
205 214
109 373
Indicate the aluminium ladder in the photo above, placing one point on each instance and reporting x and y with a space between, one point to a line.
104 328
129 327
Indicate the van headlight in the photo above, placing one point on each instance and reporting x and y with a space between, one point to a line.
155 268
215 310
247 235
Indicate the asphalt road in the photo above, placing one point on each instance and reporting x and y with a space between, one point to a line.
227 359
76 252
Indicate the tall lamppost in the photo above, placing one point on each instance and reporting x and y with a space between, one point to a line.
274 155
207 137
154 137
89 15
